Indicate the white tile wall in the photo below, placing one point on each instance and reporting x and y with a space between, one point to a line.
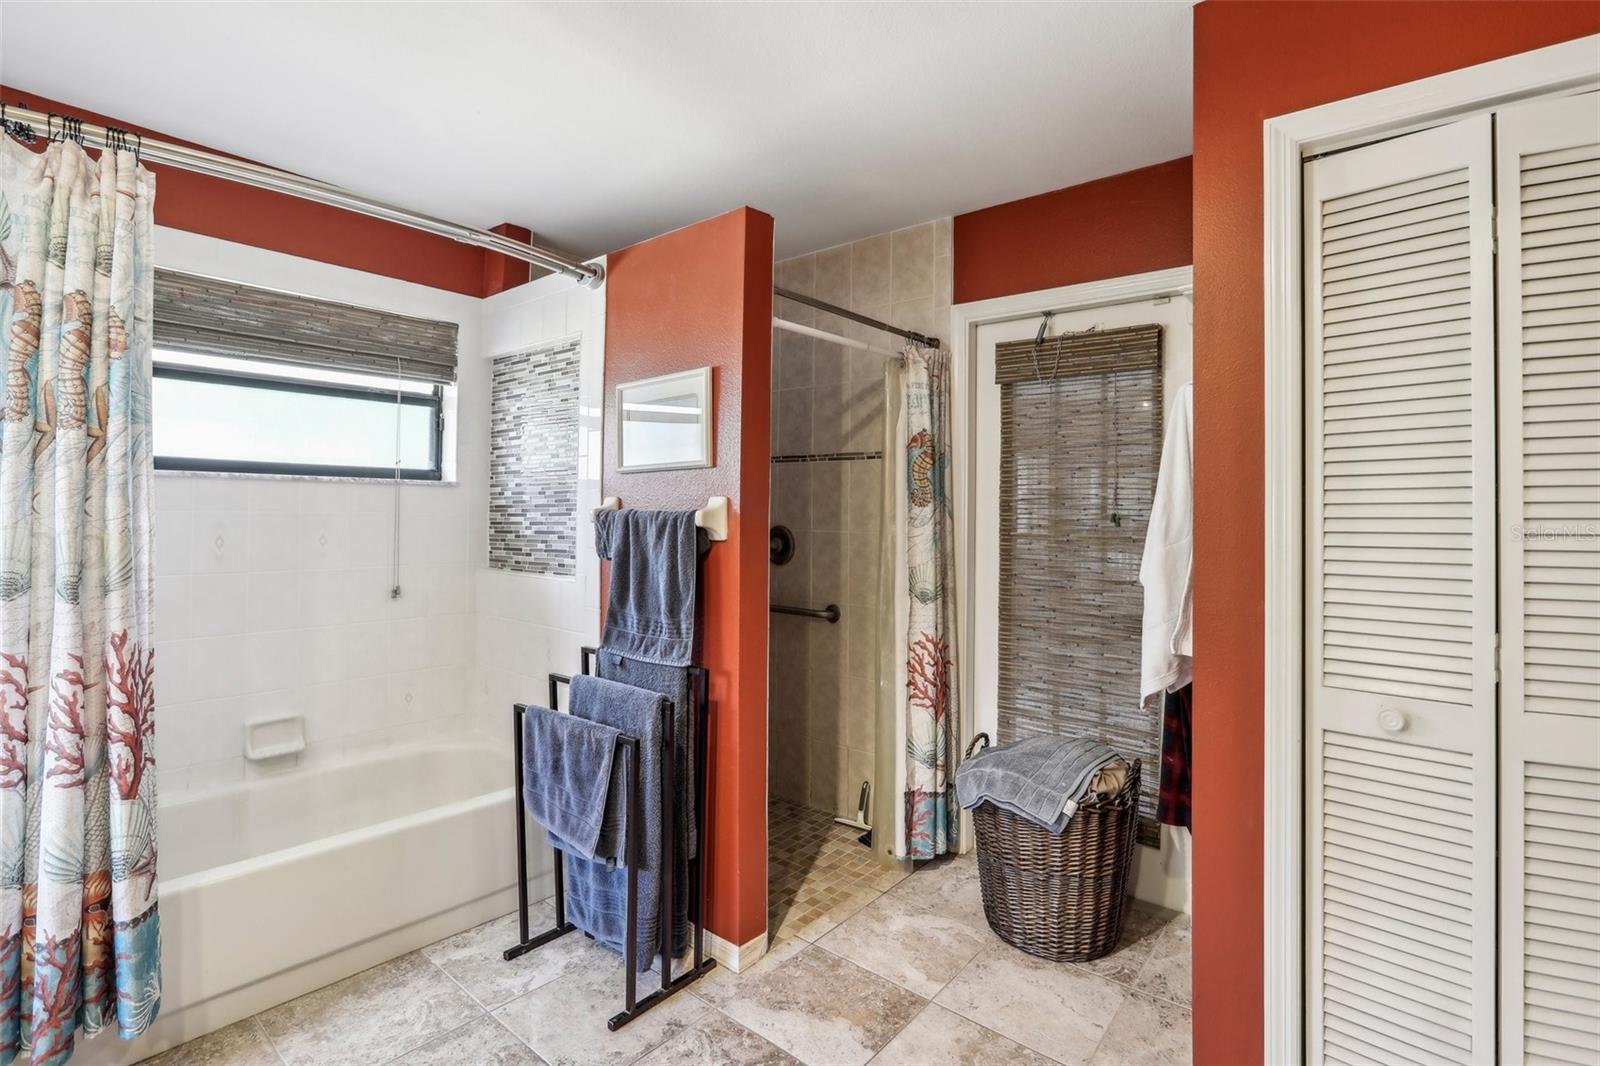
529 625
272 595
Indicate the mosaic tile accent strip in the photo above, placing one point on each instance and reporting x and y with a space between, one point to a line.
826 457
533 462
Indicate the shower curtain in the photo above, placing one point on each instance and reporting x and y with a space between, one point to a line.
918 588
80 942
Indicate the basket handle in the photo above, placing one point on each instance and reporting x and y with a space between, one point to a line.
973 745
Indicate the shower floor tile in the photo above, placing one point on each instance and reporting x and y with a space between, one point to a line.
818 873
911 973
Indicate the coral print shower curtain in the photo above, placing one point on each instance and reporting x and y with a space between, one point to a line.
80 943
920 572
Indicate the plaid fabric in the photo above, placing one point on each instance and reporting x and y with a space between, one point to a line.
1172 803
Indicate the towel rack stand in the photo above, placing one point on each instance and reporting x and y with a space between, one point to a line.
698 711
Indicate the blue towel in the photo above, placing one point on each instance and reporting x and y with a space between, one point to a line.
674 683
650 605
566 777
1033 778
597 892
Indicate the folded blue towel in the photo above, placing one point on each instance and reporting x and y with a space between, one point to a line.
1034 778
597 892
566 777
674 683
650 603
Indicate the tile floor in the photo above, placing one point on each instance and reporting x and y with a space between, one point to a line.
867 965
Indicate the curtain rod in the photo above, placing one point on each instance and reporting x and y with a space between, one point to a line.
834 338
823 305
89 135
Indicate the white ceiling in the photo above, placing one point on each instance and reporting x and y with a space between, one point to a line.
601 124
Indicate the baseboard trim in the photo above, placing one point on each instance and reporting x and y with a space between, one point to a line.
736 957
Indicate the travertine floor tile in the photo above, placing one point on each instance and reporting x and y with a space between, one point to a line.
717 1040
936 1037
822 1009
565 1021
919 950
1147 1032
1054 1008
240 1044
484 1042
1167 973
473 958
371 1017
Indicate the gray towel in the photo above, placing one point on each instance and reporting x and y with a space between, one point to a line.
650 605
597 892
674 683
566 777
1033 778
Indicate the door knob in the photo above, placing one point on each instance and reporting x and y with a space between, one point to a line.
1392 720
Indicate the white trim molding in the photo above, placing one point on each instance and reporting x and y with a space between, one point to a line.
965 320
1573 66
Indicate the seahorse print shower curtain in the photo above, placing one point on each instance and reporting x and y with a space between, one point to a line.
919 546
80 941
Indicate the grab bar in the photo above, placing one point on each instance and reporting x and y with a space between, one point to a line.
829 614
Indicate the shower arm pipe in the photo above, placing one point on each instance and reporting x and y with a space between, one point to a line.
843 312
242 172
824 335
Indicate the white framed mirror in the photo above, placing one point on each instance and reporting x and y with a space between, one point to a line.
664 423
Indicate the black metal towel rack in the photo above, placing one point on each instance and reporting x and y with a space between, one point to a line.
633 1006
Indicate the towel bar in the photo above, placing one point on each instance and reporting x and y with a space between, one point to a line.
713 517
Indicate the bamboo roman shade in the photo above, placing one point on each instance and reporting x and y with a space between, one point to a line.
1080 431
205 316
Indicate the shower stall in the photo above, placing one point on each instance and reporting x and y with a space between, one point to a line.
841 316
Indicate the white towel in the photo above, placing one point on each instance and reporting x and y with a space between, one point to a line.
1167 569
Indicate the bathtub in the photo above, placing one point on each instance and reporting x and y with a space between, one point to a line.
283 884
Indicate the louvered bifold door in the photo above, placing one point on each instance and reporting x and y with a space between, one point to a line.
1548 155
1400 600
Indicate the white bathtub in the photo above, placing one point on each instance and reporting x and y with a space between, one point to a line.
280 885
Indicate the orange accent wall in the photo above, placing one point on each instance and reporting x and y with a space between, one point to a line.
279 223
1128 223
702 296
1253 61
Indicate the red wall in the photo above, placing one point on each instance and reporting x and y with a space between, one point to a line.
1126 224
280 223
1254 61
699 296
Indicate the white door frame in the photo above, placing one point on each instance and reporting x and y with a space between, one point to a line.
1573 66
965 320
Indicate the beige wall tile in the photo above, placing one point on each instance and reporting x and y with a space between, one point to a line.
794 421
871 272
833 275
795 360
912 257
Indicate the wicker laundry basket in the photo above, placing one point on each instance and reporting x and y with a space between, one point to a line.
1062 897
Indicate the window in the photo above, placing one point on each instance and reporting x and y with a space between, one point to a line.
1080 432
227 414
259 381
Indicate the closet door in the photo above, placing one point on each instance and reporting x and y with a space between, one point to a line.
1400 600
1549 181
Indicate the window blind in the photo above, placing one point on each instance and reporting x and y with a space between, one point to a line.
1080 429
206 316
